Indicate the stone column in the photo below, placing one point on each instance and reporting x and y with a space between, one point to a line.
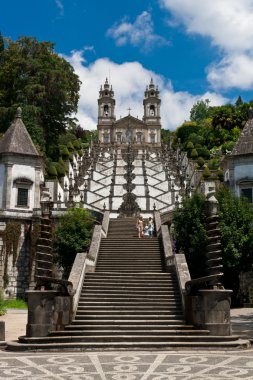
37 187
7 186
48 310
210 309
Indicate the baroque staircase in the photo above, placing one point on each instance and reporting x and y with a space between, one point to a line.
129 302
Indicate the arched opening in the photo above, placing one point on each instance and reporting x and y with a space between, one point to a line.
152 110
106 110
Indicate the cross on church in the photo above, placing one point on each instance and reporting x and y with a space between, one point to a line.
129 109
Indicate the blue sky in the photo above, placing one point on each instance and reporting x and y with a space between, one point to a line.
194 49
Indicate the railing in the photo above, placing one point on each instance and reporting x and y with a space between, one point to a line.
86 262
178 261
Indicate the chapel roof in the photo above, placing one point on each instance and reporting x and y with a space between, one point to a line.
244 144
17 139
129 118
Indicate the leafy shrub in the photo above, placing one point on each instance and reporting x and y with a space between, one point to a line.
194 154
73 235
206 173
190 232
51 171
2 305
201 162
60 169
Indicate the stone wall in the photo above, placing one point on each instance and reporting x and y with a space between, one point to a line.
15 257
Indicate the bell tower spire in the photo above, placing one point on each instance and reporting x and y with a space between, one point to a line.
106 112
152 103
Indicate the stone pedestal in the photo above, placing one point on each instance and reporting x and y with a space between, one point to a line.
2 331
48 310
210 309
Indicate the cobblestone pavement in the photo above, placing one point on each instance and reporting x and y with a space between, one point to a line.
128 365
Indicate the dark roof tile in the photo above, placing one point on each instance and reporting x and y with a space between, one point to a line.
244 144
17 140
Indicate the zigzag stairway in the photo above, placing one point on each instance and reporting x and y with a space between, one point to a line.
129 302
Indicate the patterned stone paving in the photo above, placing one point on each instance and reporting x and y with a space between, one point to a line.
127 366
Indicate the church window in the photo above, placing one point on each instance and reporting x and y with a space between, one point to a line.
152 110
23 185
106 138
138 136
119 137
152 138
22 200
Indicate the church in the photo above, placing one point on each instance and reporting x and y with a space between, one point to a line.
129 129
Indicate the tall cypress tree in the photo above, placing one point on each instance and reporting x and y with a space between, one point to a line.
1 47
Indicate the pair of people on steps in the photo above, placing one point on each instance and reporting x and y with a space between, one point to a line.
148 230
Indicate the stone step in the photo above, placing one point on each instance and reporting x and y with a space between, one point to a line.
133 327
112 331
142 276
147 345
132 292
127 308
133 236
132 282
128 252
130 267
129 322
126 315
136 258
120 270
128 338
111 303
141 287
131 240
117 279
129 298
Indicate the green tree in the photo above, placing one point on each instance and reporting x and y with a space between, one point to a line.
73 234
236 227
185 130
1 46
44 84
236 231
200 110
165 135
239 101
190 233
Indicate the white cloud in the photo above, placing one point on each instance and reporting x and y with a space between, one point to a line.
139 33
129 81
233 71
228 24
60 6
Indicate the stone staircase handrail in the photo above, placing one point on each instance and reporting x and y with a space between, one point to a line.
105 223
84 262
76 276
95 244
178 260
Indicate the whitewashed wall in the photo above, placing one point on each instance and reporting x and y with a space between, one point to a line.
26 172
2 180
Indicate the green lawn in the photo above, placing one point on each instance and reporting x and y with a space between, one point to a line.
15 304
11 304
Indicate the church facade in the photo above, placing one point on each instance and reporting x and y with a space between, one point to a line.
129 129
